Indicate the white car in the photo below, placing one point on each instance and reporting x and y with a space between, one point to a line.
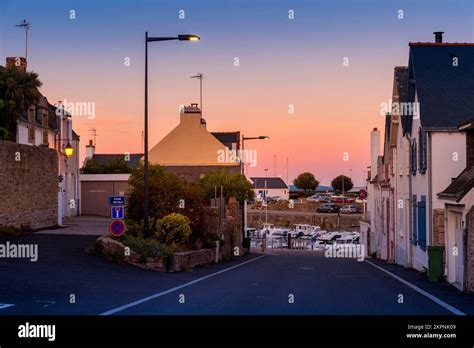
348 209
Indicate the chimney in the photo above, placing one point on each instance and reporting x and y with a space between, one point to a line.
191 113
374 150
19 62
90 150
438 36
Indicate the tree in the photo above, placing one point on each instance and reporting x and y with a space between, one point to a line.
306 181
234 185
336 183
167 194
112 166
18 91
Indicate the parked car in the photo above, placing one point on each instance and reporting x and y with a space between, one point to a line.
348 209
314 198
328 208
342 199
274 199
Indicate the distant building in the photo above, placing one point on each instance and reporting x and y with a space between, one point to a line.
190 150
270 187
97 188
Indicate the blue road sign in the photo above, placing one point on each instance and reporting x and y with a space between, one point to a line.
117 200
116 212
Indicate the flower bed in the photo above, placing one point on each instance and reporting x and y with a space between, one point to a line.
147 254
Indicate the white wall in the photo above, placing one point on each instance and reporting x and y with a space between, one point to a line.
283 193
446 146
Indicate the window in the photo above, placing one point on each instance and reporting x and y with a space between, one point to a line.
422 223
422 157
413 166
414 239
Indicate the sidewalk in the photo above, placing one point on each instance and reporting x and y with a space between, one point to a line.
463 301
81 226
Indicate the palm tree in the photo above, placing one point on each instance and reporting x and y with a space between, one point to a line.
18 91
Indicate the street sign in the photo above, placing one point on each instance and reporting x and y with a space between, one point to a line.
117 227
116 212
117 200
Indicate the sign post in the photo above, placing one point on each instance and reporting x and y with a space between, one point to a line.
117 214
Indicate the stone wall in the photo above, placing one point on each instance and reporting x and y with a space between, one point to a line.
438 226
28 186
228 228
328 222
470 251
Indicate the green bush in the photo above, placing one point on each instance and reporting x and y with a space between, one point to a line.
147 247
9 231
173 229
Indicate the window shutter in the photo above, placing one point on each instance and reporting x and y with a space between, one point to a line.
415 223
422 138
413 157
422 223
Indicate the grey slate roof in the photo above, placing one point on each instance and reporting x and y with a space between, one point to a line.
445 92
272 183
460 186
104 158
227 138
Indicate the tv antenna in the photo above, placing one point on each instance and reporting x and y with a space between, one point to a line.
26 25
94 134
200 77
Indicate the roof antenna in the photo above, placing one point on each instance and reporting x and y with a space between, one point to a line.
25 24
200 77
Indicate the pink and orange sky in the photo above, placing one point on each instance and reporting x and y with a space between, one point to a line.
282 61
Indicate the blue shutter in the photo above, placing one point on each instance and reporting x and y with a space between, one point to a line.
415 223
422 223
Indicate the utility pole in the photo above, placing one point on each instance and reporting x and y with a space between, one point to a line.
275 165
287 170
266 197
200 77
26 25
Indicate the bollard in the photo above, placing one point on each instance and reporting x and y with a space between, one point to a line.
264 245
289 241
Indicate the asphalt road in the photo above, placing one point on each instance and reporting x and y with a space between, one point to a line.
255 284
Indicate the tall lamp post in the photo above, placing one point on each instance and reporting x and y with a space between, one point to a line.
148 39
242 171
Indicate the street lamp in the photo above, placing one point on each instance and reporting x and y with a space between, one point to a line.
68 150
261 137
242 171
185 37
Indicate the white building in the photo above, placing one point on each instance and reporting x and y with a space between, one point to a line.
423 151
458 200
270 187
44 125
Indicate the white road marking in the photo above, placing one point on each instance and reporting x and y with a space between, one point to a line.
5 305
46 303
447 306
149 298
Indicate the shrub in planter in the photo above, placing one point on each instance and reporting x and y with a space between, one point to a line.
173 229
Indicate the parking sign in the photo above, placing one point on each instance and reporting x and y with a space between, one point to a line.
116 212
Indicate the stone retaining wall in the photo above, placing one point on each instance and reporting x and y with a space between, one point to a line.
28 186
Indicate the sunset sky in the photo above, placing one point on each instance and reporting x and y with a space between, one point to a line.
282 62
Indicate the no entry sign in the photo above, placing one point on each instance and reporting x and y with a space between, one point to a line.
117 227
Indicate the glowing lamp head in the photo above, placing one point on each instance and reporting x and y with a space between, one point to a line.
68 150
